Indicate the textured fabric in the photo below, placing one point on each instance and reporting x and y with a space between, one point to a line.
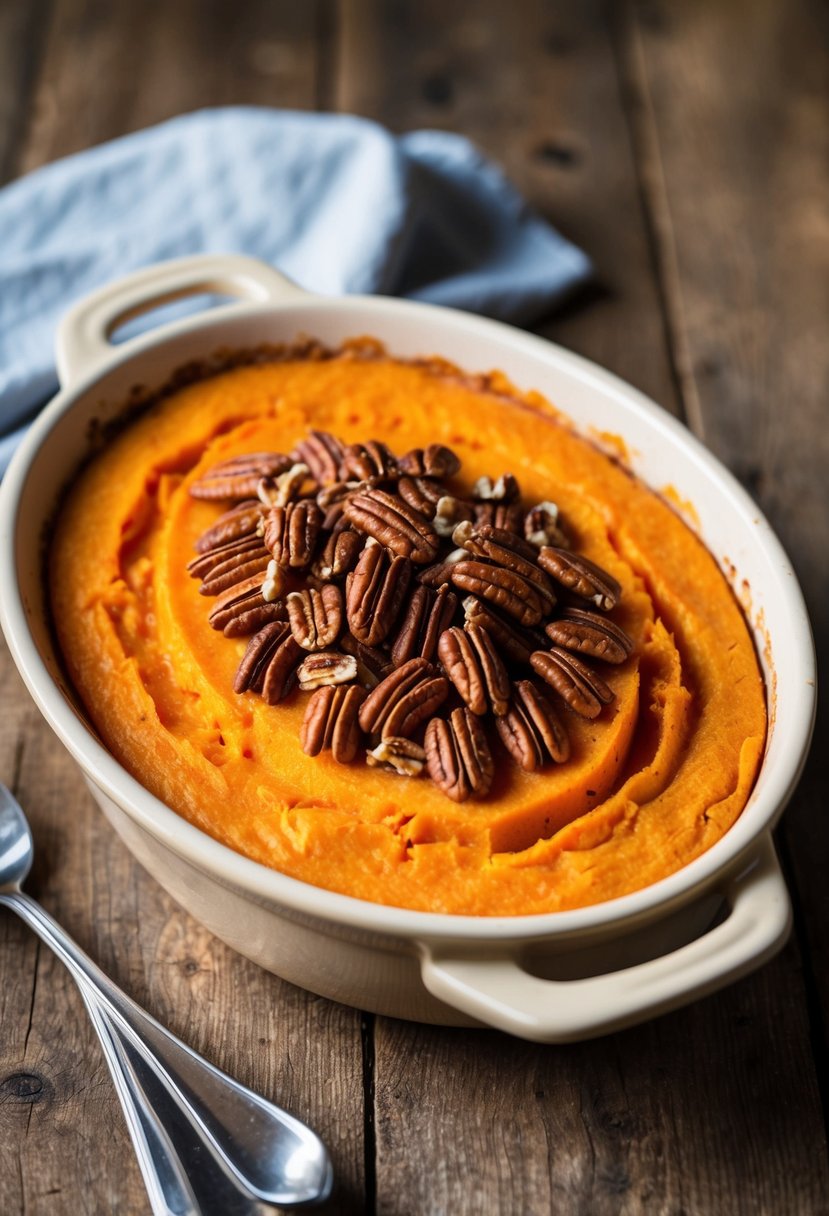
335 202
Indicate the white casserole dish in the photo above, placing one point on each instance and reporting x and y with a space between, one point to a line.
555 977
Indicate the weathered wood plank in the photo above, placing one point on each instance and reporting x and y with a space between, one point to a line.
112 69
106 70
745 179
22 30
617 1125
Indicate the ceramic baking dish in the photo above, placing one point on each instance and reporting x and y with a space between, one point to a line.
555 977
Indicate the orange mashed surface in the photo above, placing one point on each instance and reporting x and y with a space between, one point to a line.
653 782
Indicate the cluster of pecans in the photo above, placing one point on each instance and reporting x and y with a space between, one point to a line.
414 615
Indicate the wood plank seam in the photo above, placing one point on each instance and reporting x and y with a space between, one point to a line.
637 106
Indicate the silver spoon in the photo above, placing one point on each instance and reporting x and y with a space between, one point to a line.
205 1143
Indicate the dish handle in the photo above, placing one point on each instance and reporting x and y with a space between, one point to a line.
500 993
84 335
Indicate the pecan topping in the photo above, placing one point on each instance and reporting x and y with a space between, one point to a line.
291 533
403 755
323 453
531 730
239 476
590 634
458 756
392 522
507 550
541 526
428 614
374 593
240 521
330 722
268 665
475 668
342 549
503 588
326 667
316 617
405 698
242 609
365 460
433 461
509 516
319 569
574 682
505 489
581 576
421 494
514 641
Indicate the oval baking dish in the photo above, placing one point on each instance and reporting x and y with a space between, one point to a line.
553 977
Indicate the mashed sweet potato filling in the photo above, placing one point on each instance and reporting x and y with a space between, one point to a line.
653 782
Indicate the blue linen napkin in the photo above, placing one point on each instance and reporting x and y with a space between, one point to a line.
336 202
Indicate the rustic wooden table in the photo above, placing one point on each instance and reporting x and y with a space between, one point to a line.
684 146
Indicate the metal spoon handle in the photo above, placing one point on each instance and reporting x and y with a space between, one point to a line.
261 1149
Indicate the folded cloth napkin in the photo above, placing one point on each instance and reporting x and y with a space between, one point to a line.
334 201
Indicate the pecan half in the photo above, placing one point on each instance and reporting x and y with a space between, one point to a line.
323 453
391 521
326 667
242 609
421 494
574 682
581 576
374 593
240 521
316 617
531 731
588 633
210 560
541 526
231 564
330 722
269 664
458 758
239 476
503 588
516 642
475 668
405 698
291 533
341 552
434 461
365 460
507 550
509 516
403 755
428 614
